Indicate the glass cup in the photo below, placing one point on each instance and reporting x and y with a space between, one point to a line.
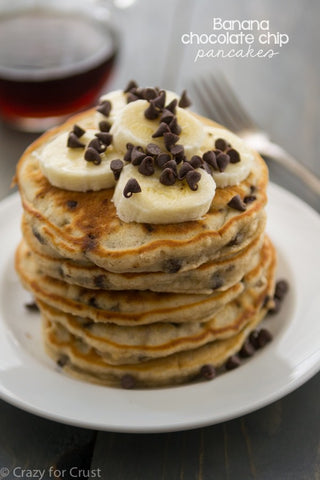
55 58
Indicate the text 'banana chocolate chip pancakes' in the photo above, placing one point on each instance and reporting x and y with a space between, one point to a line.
144 242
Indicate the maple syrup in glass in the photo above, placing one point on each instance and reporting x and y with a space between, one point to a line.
52 63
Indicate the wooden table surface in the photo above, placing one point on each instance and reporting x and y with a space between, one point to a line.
282 440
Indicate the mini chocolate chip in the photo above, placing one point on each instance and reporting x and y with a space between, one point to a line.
192 178
220 144
237 203
172 265
196 161
172 164
170 139
172 106
93 302
32 307
128 381
184 101
62 360
236 240
167 177
91 155
266 301
74 142
104 107
162 159
174 127
160 100
178 152
208 371
131 187
99 281
223 161
216 281
249 199
163 128
104 126
206 167
131 84
253 338
276 306
131 97
105 138
233 362
78 131
264 337
146 167
127 155
153 149
253 188
96 145
166 116
247 350
184 169
149 93
234 155
116 167
137 155
72 204
210 158
282 287
151 113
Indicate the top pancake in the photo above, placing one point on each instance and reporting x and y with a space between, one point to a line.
92 231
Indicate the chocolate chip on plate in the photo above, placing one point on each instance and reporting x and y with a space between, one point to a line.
233 362
264 337
208 371
128 381
247 349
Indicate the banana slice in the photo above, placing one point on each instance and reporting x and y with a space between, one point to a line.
132 126
157 203
66 167
235 172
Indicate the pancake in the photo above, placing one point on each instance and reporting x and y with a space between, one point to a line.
132 307
221 273
92 231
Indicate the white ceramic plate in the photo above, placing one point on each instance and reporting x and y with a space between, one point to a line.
31 381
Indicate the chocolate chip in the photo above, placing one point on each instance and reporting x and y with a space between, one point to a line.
146 167
253 338
104 126
178 152
233 362
172 106
249 199
234 155
196 161
184 169
116 167
91 155
131 97
247 349
96 145
104 137
131 187
151 113
128 381
266 301
192 178
282 288
167 177
264 337
62 360
153 149
172 165
174 127
149 93
78 131
127 155
99 281
105 108
74 142
170 139
159 101
220 144
32 307
166 116
131 84
208 371
137 155
162 159
172 265
237 203
210 158
184 101
38 236
216 281
72 204
276 306
223 161
163 128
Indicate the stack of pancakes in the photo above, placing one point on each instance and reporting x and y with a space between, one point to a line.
137 304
